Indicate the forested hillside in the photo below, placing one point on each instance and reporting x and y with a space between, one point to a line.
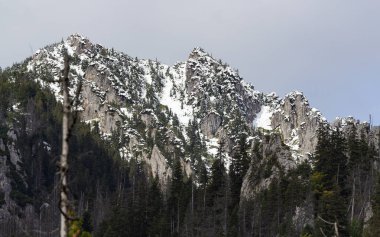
183 150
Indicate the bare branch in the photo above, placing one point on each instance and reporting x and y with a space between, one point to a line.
323 233
335 224
327 222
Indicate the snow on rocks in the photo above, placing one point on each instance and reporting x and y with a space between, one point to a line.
199 88
263 119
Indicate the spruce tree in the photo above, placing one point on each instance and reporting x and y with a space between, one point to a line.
373 229
176 189
239 166
155 210
330 183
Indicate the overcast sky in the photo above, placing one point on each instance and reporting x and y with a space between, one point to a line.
329 49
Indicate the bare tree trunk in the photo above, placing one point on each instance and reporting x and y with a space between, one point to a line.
192 200
178 216
192 209
353 200
65 148
204 200
225 211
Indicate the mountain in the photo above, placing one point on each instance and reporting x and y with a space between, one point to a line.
201 89
144 122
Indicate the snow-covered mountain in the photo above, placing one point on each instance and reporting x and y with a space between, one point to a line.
153 115
119 91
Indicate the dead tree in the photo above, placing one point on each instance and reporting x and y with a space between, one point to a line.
68 121
63 164
335 224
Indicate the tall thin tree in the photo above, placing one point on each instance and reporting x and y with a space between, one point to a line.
68 121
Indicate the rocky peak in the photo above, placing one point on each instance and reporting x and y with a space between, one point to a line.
198 52
201 89
298 123
80 44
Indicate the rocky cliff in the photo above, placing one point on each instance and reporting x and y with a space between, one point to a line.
194 111
117 89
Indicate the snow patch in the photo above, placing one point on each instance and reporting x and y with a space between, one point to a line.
183 111
263 119
212 146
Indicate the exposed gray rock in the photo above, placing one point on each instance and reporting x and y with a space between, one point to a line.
273 156
2 145
303 215
96 103
210 124
159 167
298 124
14 153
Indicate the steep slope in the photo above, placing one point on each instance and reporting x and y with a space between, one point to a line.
30 127
120 91
184 125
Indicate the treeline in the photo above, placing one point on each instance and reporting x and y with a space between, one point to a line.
331 195
343 181
335 194
186 207
34 117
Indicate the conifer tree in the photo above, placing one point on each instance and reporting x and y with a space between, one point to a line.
175 194
329 184
154 210
239 166
374 226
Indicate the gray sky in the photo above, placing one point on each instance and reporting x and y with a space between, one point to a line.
329 49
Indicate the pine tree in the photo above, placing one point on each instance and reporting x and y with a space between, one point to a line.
329 183
373 229
154 208
353 148
239 166
217 179
176 189
87 222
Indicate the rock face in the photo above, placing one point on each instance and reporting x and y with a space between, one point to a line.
5 186
271 158
151 105
94 103
120 92
298 123
210 124
10 169
194 111
159 166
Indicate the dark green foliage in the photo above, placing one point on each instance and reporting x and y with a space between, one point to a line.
119 198
374 227
238 169
217 179
157 77
195 149
155 210
93 162
116 225
20 192
356 229
87 222
341 181
2 198
180 192
240 164
274 207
